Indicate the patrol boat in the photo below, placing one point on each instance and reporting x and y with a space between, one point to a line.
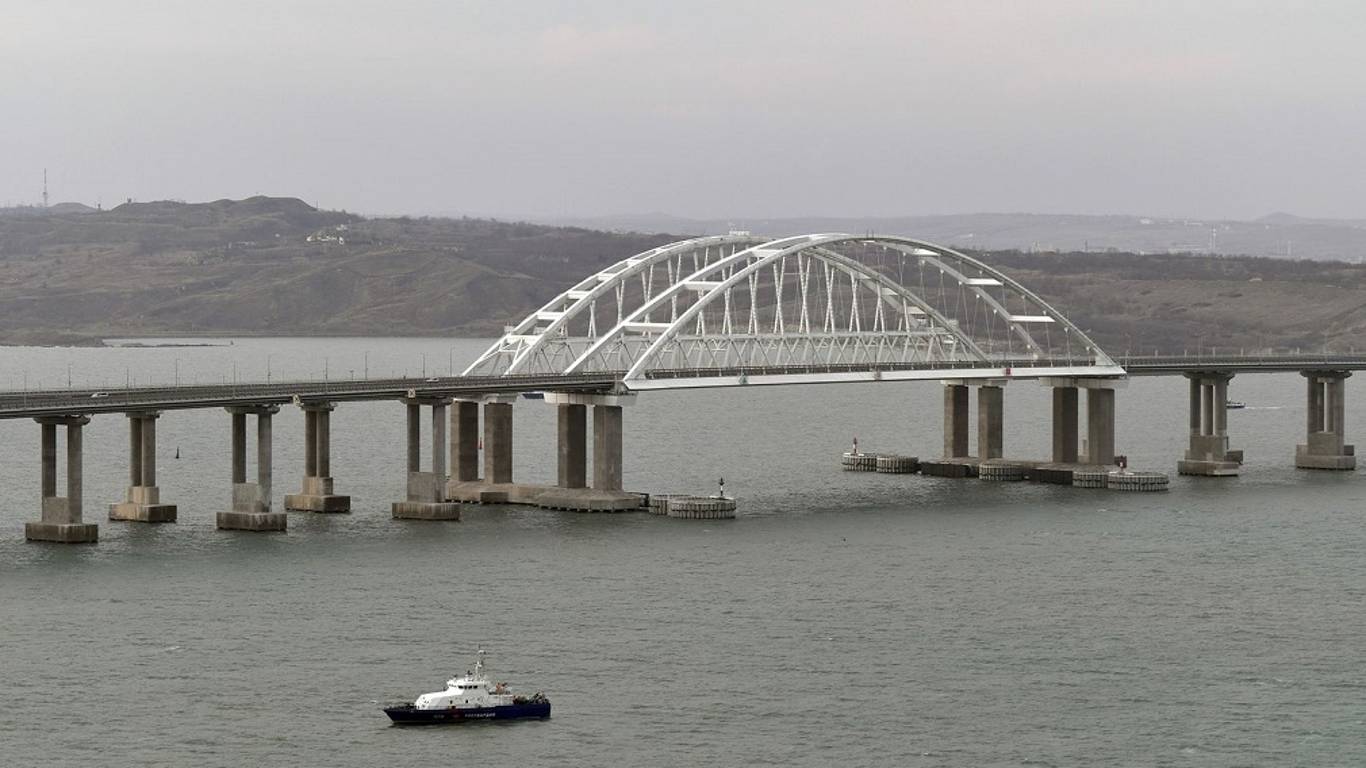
472 697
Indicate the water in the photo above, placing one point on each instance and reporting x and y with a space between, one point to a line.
843 619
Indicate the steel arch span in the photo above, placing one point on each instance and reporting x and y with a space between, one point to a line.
737 309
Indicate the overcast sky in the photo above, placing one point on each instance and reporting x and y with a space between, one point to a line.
705 109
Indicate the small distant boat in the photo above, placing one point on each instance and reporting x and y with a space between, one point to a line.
472 697
1234 404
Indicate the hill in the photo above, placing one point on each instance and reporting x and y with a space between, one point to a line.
1277 235
279 266
264 266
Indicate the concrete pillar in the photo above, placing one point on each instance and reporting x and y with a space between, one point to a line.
1337 410
572 445
310 443
1065 425
1100 425
134 449
48 454
322 440
1206 408
497 442
264 451
990 422
465 441
239 447
607 447
74 470
414 437
439 441
1196 389
60 519
1325 445
1313 404
149 450
1220 398
955 421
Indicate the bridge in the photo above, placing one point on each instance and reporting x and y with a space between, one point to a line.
719 311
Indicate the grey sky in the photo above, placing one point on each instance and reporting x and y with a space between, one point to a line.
708 109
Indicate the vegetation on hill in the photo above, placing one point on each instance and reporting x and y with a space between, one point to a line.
280 266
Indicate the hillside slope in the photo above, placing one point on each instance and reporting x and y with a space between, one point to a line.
279 266
249 267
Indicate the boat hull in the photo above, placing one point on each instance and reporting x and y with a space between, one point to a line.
410 715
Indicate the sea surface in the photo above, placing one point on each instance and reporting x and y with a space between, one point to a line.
843 619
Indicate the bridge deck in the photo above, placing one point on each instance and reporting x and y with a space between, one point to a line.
1175 365
14 405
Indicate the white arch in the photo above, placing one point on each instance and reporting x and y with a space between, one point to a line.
927 344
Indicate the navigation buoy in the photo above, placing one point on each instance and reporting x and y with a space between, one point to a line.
177 451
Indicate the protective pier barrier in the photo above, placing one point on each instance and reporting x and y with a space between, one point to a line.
898 465
1137 481
699 507
859 462
1090 478
1002 471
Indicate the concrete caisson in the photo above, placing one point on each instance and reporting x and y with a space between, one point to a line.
892 464
859 462
1136 481
701 508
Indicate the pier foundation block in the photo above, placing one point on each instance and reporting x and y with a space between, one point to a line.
426 496
317 494
142 504
251 501
1209 454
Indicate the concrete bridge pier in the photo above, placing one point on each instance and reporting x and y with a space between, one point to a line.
465 441
317 495
572 445
573 489
143 500
1065 423
1100 419
956 416
1100 423
251 501
61 515
1209 454
426 490
498 440
1326 429
990 420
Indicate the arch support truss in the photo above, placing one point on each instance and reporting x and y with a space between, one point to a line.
735 309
